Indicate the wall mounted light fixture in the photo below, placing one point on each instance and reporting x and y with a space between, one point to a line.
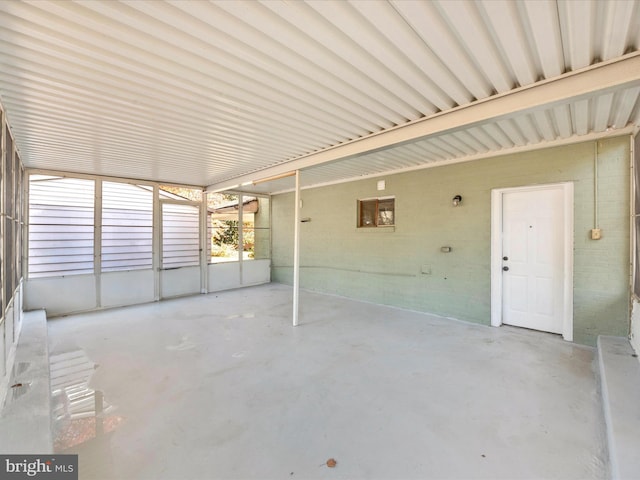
457 200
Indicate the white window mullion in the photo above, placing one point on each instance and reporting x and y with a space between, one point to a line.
204 247
157 241
97 240
240 235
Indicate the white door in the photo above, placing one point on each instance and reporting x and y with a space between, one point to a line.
533 250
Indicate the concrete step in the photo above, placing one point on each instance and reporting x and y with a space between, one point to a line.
620 383
25 419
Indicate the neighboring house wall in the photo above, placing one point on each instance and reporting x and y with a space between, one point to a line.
384 265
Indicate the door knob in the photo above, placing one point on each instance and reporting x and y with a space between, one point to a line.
505 258
506 269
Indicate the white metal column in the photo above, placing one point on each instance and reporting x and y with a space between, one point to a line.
241 238
97 239
296 251
157 242
204 248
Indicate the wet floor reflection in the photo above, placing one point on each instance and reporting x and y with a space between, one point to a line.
83 419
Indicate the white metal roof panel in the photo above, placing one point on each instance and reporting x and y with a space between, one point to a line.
202 92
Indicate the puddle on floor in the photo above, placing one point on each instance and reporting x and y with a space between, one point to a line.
80 414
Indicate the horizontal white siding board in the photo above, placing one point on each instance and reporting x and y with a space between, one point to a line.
60 252
60 226
127 227
61 238
180 235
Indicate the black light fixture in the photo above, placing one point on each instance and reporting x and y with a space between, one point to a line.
457 200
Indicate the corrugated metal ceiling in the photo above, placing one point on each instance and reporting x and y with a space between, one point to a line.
203 92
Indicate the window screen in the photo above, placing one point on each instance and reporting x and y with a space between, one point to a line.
8 245
180 235
61 218
127 226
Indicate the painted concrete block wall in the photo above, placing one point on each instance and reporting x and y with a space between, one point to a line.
403 265
634 336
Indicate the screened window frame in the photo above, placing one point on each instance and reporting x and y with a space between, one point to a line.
262 247
376 223
122 226
155 187
11 219
165 201
82 225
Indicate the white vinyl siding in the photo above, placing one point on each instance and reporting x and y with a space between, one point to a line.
127 227
180 235
61 226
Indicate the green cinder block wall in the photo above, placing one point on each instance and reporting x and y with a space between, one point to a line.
386 265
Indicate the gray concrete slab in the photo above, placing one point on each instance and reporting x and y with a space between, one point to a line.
222 386
620 379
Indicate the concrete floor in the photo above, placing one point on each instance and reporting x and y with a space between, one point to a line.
221 386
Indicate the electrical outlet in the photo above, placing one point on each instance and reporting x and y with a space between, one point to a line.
596 233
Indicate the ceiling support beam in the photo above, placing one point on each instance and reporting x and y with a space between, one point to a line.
620 73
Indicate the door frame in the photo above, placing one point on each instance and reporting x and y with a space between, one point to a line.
497 195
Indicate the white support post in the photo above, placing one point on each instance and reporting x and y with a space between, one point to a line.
97 239
157 243
296 251
204 248
241 237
